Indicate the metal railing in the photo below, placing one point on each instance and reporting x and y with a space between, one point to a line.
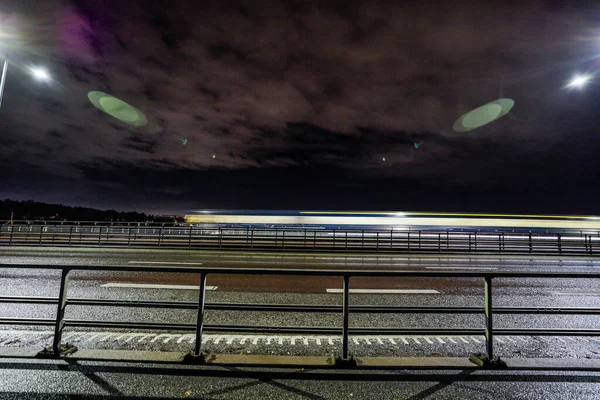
290 239
489 310
53 222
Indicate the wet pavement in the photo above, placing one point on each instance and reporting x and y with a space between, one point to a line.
17 281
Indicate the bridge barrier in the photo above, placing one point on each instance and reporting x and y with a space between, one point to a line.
300 239
344 358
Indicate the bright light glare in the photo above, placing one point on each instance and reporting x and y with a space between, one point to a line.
41 74
579 81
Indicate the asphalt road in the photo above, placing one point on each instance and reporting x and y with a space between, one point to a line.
303 290
154 381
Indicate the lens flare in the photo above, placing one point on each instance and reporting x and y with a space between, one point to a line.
39 73
117 108
483 115
579 81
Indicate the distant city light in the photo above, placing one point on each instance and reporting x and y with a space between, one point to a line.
41 74
214 156
383 159
579 81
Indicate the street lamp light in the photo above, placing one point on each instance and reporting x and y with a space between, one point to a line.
39 73
579 81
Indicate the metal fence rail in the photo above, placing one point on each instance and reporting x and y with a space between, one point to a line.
289 239
63 300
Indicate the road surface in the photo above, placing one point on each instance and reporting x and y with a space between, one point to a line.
301 290
33 379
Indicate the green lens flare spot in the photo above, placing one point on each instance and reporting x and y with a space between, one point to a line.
117 108
483 115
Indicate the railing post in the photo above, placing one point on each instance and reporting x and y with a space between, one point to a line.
585 244
304 239
391 239
346 240
160 231
99 235
559 243
488 360
283 240
469 241
530 243
377 242
489 326
420 241
70 235
346 316
12 228
252 239
439 242
362 242
200 320
41 233
190 237
60 311
220 237
408 242
128 236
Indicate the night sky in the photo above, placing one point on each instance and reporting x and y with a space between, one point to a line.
302 105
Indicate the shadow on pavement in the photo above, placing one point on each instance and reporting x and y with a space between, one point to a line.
412 375
277 378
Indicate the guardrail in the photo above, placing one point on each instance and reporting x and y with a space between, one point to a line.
54 222
401 241
489 310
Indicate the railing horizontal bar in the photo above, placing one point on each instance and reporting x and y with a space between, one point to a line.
130 325
132 303
419 310
260 307
272 307
28 299
416 331
313 272
548 310
547 332
26 321
274 329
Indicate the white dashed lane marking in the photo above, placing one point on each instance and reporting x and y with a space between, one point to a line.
164 263
154 286
465 268
386 291
575 293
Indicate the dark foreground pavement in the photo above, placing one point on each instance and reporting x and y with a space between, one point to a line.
49 379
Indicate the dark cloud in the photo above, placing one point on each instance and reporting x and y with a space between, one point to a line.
329 88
